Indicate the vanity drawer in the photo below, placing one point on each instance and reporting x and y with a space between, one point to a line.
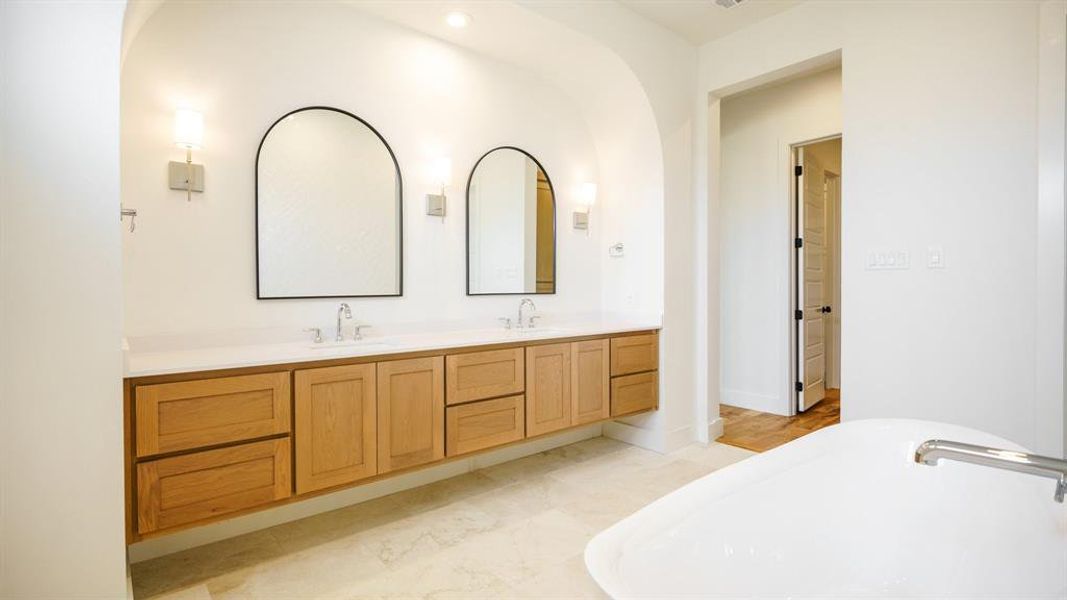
634 393
485 424
634 354
481 375
206 412
185 489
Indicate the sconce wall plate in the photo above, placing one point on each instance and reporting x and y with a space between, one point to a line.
177 174
435 205
581 220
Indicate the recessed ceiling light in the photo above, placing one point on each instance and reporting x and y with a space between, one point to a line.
457 19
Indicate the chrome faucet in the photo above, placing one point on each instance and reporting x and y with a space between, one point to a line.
930 451
522 324
345 310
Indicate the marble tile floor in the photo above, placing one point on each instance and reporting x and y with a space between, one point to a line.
514 530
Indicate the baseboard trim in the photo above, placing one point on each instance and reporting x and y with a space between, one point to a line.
716 429
752 401
650 439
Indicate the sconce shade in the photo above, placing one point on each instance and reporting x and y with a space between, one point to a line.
587 194
188 129
441 172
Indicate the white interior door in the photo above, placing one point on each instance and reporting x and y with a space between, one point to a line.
811 280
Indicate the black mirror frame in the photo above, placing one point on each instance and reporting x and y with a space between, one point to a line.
399 204
555 245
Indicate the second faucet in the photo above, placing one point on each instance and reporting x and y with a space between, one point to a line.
345 310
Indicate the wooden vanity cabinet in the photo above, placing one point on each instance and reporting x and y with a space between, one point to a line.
590 381
411 412
483 375
202 447
479 425
548 388
194 487
634 393
634 354
207 412
336 425
634 374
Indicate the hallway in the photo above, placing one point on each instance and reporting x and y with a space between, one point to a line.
759 431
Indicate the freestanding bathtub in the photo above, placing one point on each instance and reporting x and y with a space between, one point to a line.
845 513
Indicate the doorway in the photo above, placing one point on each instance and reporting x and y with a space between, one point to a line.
764 133
815 361
816 273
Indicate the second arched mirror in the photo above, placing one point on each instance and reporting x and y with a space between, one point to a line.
511 225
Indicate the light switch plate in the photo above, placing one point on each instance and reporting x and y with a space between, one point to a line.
935 257
177 172
581 220
435 205
888 260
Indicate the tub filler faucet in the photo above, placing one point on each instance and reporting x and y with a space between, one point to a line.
931 451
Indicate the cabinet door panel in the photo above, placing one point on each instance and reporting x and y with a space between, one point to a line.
336 426
411 412
206 412
634 393
590 381
548 388
634 354
480 375
193 487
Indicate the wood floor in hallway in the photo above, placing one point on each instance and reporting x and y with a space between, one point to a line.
760 431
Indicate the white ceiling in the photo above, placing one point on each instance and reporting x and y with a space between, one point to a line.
701 21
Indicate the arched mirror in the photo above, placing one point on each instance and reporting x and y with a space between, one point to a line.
511 225
328 209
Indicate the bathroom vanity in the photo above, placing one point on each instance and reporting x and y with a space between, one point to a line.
220 432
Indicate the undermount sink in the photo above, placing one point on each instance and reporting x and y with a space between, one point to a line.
354 344
538 331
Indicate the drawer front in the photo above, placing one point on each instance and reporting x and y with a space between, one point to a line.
548 390
634 354
336 426
590 386
634 393
190 488
481 375
485 424
411 412
205 412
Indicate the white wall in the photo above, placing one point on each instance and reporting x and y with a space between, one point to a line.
190 266
664 253
61 488
934 93
757 129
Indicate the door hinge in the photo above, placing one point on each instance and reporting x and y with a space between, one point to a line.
799 386
797 170
798 315
798 243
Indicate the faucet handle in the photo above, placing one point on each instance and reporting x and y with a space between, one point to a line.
506 321
318 333
357 334
533 321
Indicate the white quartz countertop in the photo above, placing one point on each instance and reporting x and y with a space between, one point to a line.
143 358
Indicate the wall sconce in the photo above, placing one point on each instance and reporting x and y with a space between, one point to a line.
586 198
441 174
188 134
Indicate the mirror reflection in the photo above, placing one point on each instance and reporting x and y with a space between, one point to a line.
328 208
511 226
